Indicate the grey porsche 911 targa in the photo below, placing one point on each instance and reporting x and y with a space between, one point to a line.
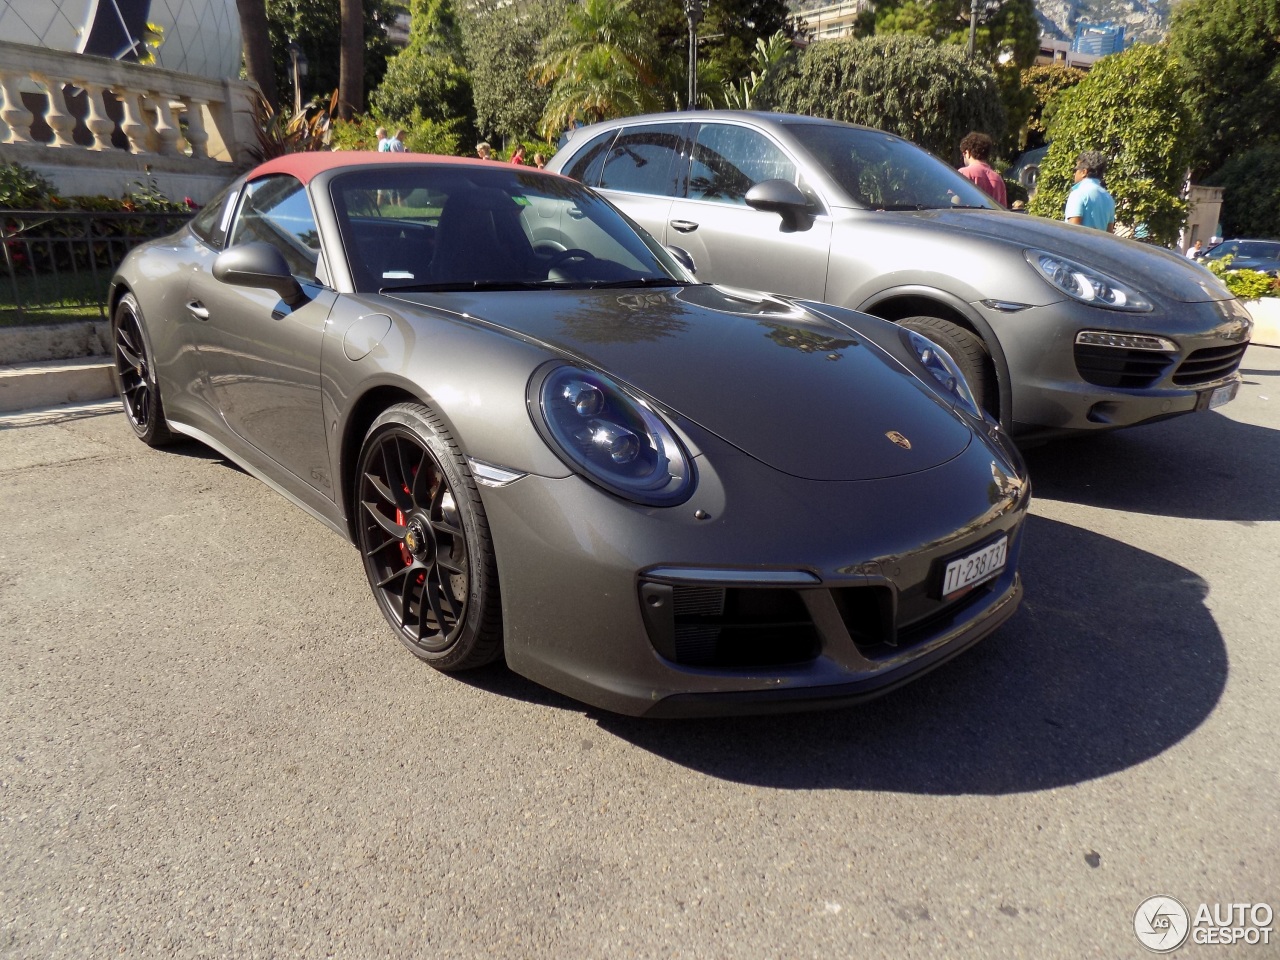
550 444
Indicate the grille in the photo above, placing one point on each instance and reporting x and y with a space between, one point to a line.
1121 366
1209 364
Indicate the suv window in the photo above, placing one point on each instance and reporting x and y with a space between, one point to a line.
275 210
587 165
642 159
729 160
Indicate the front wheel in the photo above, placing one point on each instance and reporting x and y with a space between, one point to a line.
135 374
969 353
425 541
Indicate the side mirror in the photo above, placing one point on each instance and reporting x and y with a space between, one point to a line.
684 258
259 265
781 197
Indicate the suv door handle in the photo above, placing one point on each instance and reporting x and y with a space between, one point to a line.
198 310
684 226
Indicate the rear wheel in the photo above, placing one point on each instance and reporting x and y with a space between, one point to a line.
424 537
969 353
135 374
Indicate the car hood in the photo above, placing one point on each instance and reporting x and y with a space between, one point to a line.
805 395
1152 270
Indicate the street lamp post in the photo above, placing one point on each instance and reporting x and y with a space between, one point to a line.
299 62
693 10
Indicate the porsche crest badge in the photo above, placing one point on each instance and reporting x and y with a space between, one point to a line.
899 439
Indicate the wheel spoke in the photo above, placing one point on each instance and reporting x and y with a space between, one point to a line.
386 582
458 567
380 488
385 522
430 592
130 357
423 478
394 471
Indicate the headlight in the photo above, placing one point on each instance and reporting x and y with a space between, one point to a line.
610 437
1086 284
944 370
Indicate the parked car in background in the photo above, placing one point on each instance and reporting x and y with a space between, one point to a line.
1058 328
548 442
1260 255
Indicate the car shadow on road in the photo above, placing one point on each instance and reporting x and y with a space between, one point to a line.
1112 659
1204 466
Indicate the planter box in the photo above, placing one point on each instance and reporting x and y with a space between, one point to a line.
1266 320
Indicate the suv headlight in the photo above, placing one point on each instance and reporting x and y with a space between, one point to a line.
943 368
1086 284
609 436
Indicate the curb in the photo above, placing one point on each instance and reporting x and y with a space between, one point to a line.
51 382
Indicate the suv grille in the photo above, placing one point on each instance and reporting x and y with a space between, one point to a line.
1121 366
1209 364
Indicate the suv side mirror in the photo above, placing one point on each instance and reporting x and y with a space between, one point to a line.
780 196
259 265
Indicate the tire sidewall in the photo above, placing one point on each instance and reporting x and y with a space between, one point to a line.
153 432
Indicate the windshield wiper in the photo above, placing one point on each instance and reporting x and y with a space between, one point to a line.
459 286
640 282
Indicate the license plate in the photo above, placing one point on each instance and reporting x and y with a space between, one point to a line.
974 568
1223 395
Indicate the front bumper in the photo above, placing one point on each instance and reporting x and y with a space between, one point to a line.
1058 387
577 567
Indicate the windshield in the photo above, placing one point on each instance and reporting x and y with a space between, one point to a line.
425 227
882 172
1253 249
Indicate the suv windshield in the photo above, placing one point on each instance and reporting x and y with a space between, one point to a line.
883 172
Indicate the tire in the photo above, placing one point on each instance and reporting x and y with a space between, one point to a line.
424 538
969 353
135 374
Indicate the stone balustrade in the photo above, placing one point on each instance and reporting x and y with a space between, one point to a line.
92 125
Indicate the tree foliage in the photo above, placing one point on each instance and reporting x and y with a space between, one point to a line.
932 95
1251 194
1004 26
1130 109
430 74
1229 53
317 26
502 42
1045 83
599 64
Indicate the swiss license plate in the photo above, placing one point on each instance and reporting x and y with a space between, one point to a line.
1222 395
972 569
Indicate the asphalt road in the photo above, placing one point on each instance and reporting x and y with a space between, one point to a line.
212 745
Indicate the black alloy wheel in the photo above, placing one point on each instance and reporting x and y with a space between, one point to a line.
135 375
422 532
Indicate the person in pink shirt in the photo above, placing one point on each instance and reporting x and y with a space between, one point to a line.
976 148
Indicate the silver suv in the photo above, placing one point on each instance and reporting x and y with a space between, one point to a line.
1058 328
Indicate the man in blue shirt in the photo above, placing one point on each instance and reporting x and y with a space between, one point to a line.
1088 203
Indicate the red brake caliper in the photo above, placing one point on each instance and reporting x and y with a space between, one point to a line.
405 555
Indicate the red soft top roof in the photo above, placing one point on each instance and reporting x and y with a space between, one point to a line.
304 166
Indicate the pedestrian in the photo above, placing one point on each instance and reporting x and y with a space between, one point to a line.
1195 251
383 143
976 149
518 155
539 161
484 151
396 143
1088 203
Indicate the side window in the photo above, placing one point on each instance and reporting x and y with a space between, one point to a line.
642 160
729 160
276 210
210 223
587 165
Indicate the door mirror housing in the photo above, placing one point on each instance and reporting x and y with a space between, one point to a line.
259 265
779 196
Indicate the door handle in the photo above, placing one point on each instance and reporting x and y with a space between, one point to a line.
198 309
684 226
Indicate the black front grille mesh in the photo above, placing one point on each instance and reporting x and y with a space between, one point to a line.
1209 364
1121 366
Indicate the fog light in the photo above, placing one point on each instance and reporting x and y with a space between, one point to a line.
1126 341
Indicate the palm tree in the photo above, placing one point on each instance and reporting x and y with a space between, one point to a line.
599 66
257 47
351 63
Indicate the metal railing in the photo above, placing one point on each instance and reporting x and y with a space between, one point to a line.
58 263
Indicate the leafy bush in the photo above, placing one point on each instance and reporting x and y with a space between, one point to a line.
930 94
21 188
421 135
1245 284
